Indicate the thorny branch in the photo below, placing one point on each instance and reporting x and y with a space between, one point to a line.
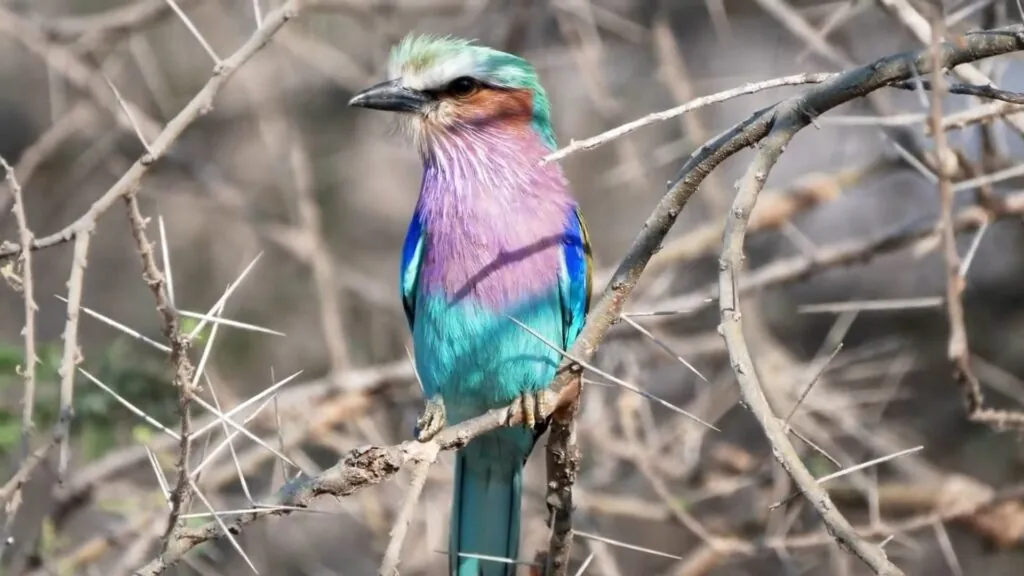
824 258
200 104
782 122
784 127
563 463
26 285
392 555
179 344
72 355
366 467
959 352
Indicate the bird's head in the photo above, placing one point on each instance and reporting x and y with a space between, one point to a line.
443 85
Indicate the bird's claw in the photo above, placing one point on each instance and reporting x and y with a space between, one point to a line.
532 406
432 421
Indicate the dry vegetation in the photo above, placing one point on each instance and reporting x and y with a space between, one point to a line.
817 371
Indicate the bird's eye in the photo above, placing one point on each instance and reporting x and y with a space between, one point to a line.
462 87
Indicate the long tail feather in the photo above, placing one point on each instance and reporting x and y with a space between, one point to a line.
485 516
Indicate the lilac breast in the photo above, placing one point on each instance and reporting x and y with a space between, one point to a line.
494 219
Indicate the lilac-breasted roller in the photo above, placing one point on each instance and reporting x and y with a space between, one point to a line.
495 236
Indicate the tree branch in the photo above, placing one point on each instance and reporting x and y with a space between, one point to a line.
785 120
200 105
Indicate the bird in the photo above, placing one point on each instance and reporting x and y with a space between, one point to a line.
496 270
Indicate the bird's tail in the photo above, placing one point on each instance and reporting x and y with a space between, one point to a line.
485 515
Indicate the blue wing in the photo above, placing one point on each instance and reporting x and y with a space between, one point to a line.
575 281
412 259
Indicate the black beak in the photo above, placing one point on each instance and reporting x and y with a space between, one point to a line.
392 96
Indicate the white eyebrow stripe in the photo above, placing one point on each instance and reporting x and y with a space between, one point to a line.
440 74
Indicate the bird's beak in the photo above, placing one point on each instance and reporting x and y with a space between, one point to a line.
391 96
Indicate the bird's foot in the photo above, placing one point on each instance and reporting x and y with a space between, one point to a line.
432 421
532 406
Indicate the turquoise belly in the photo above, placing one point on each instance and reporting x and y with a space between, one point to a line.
477 359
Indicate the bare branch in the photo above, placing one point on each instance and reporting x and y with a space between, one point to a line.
179 344
200 104
616 133
959 351
72 355
782 122
784 128
421 465
27 286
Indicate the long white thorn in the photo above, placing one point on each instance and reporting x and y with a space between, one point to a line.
625 545
228 437
247 403
117 325
224 443
217 519
217 319
165 489
618 381
146 417
662 345
224 297
206 356
166 256
195 31
223 418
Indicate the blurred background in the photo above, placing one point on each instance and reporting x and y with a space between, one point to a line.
841 250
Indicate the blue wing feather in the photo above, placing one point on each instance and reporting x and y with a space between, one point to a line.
412 259
576 278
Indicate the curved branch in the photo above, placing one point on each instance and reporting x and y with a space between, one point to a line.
788 118
739 356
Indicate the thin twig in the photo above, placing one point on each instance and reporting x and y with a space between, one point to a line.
858 251
10 489
318 256
620 131
179 344
72 355
27 286
11 495
200 104
784 128
392 555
